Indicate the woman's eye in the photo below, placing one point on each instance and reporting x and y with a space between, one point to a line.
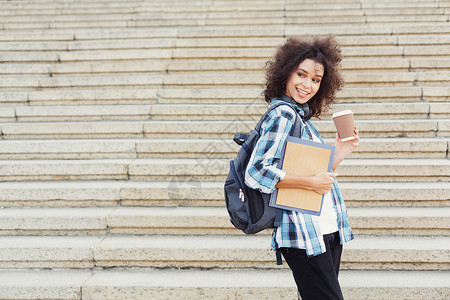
316 80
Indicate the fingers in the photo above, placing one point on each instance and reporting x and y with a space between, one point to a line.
356 142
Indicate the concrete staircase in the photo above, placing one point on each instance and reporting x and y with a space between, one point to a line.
116 120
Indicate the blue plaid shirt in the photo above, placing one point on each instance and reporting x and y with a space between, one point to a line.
298 230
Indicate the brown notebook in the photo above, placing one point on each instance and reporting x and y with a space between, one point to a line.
302 158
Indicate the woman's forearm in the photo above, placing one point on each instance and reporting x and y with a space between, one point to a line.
292 181
320 183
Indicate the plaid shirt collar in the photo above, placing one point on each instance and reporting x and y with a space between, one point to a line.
301 108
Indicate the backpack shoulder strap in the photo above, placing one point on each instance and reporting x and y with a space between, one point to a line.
296 128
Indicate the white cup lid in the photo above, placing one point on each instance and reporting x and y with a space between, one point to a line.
341 113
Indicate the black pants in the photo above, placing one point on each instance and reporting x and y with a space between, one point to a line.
317 277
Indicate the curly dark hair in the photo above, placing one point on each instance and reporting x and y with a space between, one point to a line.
323 50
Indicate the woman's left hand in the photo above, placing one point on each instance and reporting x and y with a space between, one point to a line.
344 149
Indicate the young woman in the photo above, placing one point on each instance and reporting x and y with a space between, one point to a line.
305 73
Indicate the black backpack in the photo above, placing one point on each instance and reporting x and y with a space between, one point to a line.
249 209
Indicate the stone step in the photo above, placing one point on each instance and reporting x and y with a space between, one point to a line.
244 14
99 10
250 284
13 69
195 220
365 170
403 221
123 51
399 4
85 34
146 66
368 252
235 65
67 194
311 19
418 40
87 112
29 57
418 29
406 19
56 221
367 128
38 46
348 65
124 54
87 252
336 29
267 53
200 148
117 54
230 95
349 94
80 97
226 31
148 21
41 35
352 79
37 17
403 11
171 42
208 129
33 6
354 52
39 82
202 221
272 42
228 65
190 193
70 130
276 5
72 149
210 112
396 194
213 9
57 25
419 64
204 79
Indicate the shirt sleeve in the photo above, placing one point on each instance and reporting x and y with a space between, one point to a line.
262 170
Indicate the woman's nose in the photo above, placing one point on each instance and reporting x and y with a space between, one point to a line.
306 83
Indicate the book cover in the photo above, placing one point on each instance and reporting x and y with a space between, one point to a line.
302 158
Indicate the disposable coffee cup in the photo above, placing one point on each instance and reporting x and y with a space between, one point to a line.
345 125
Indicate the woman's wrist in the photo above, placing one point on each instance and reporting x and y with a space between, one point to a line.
336 161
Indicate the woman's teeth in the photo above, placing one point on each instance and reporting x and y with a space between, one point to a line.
302 92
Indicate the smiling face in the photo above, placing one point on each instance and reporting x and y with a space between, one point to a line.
304 82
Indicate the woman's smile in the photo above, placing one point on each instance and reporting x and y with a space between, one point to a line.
302 93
